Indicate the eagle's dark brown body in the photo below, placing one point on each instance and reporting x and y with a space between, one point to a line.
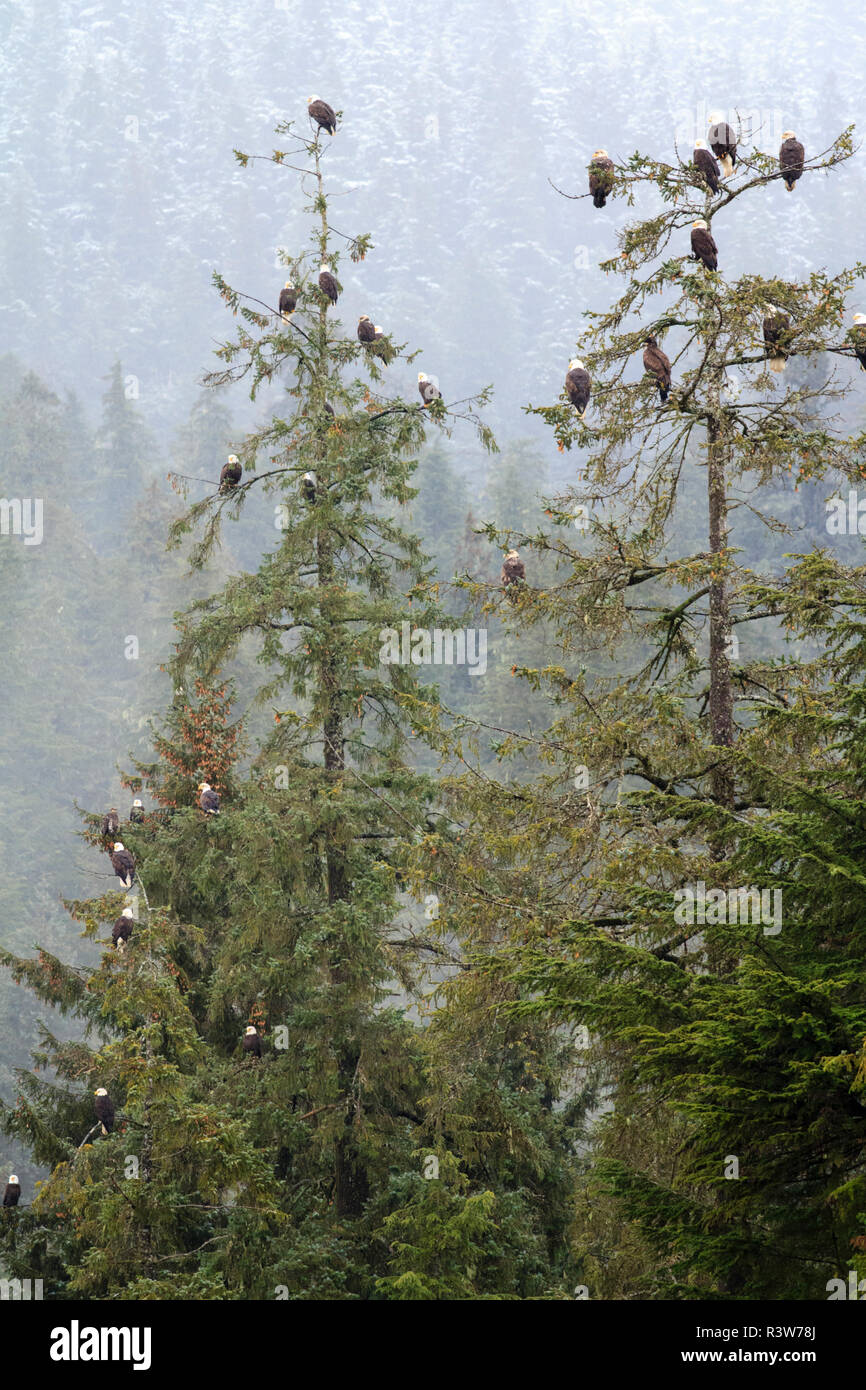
230 476
124 866
600 179
776 328
658 364
792 157
513 574
723 143
708 167
104 1112
324 116
121 931
329 286
578 387
704 248
288 300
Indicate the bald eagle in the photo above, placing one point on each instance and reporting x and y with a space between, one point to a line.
578 386
706 165
124 865
704 248
323 114
231 474
428 389
252 1041
136 815
308 487
111 823
209 800
600 177
104 1110
658 364
327 284
776 325
366 329
122 929
857 336
288 300
723 142
12 1191
513 573
791 159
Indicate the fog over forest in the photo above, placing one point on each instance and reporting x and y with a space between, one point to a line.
464 137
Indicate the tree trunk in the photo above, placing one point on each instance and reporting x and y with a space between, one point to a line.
721 703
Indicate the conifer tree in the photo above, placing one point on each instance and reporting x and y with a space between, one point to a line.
648 793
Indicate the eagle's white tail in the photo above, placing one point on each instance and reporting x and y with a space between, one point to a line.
777 364
727 164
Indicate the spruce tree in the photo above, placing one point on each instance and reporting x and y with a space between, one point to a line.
647 792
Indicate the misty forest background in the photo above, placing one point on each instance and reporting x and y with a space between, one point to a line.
120 199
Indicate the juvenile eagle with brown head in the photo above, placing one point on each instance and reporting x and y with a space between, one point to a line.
513 574
658 364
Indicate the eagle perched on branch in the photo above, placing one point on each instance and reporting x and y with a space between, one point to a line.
323 114
600 177
775 325
428 389
231 474
723 142
123 864
704 248
513 574
578 386
792 157
122 929
104 1110
658 364
328 284
288 301
706 165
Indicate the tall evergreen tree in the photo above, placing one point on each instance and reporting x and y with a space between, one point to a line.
647 794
